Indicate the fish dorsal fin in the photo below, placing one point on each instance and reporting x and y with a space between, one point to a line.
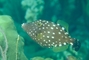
64 24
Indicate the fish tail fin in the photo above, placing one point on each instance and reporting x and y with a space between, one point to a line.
76 44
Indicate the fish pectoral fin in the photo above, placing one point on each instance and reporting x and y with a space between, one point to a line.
39 36
64 24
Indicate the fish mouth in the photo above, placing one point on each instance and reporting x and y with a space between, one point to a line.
23 24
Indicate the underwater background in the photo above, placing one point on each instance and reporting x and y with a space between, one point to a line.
18 45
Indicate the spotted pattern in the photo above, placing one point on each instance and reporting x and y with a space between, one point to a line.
47 33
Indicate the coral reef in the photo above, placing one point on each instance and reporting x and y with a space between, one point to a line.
40 58
11 43
33 8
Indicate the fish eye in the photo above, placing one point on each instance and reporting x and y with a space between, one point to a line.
39 24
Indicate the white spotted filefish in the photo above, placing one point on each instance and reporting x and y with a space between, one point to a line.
49 34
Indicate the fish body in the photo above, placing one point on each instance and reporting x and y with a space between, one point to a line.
48 34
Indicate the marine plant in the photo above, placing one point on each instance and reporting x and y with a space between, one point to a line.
33 9
3 51
11 43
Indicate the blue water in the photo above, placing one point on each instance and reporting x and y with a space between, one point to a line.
74 12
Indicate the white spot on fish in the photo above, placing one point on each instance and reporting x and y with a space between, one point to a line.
49 40
39 28
71 39
49 45
64 43
69 36
56 27
63 28
52 36
47 36
59 32
44 31
48 25
56 41
62 36
35 31
43 24
48 31
42 27
47 22
58 24
71 43
38 39
45 45
53 33
39 20
44 40
52 44
65 37
44 21
66 33
43 35
35 38
59 39
55 45
52 28
33 34
41 43
35 24
29 32
60 44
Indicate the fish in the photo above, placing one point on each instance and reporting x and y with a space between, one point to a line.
49 34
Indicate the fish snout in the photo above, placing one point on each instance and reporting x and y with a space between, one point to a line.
23 25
